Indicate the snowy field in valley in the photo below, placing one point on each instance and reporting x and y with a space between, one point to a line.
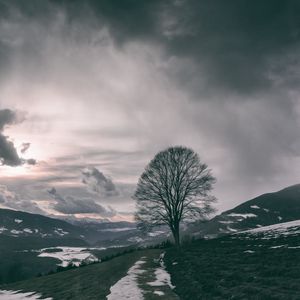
15 295
67 255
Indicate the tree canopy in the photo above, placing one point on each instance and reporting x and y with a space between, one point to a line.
174 187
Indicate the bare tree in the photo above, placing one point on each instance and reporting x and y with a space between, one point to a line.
174 187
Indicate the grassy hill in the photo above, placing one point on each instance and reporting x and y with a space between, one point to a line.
89 282
260 264
263 263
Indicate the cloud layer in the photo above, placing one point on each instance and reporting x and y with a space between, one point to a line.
107 84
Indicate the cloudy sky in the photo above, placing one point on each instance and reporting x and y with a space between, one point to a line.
91 90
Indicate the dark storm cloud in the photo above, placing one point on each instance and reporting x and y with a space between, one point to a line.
230 46
233 46
98 183
237 46
71 205
8 151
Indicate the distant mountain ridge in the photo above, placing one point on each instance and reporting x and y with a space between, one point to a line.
27 225
264 210
18 223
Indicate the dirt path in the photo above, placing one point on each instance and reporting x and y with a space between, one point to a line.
146 279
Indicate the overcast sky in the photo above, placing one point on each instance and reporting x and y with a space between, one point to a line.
92 90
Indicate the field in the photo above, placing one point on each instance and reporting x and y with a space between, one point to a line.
260 264
90 282
238 267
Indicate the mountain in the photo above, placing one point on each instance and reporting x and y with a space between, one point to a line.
267 209
21 224
31 244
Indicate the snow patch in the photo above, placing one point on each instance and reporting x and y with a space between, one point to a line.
279 228
162 276
249 251
276 247
2 229
16 231
127 287
135 239
226 222
245 216
255 207
159 293
27 230
117 229
16 295
60 232
156 233
231 229
18 221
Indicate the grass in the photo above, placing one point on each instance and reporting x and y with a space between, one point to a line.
232 267
15 264
221 269
89 282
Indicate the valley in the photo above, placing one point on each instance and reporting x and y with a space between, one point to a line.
243 252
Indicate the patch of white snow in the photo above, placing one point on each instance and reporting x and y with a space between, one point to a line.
162 276
159 293
15 295
67 255
2 229
245 216
127 287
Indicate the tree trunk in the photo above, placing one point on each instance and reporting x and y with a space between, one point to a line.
176 235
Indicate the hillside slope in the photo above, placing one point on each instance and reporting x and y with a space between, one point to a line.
267 209
261 263
22 224
92 282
